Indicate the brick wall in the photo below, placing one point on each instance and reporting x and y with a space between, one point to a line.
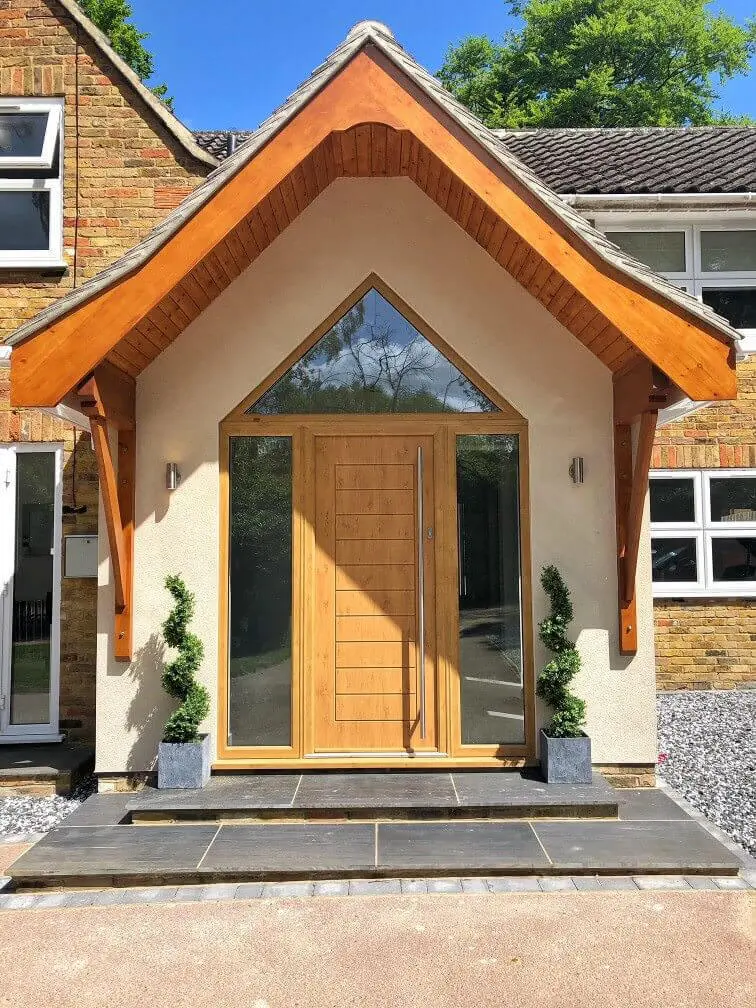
709 643
123 172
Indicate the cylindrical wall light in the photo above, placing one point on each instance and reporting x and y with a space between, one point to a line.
172 475
577 470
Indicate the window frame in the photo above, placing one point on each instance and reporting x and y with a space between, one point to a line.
53 254
694 279
33 106
704 531
39 179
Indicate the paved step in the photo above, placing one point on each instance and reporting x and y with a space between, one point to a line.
366 796
125 855
44 769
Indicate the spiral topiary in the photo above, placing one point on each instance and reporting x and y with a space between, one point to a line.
178 677
568 716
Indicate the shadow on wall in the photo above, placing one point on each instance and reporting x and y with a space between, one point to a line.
145 717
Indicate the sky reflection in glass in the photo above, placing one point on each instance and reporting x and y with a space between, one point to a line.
373 361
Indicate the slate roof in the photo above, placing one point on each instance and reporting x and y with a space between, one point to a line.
696 159
379 35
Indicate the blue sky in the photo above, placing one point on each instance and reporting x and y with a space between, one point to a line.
229 63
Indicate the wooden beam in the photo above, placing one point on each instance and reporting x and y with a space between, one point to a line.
123 644
642 389
623 476
117 493
643 450
370 89
114 392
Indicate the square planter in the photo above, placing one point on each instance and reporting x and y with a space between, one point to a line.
184 764
566 760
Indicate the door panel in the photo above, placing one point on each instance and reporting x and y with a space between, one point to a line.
366 657
371 579
379 602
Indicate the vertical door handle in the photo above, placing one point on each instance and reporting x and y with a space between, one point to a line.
421 589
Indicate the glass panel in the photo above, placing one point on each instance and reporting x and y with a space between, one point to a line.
373 361
33 588
260 589
24 221
490 638
674 560
733 498
22 134
672 500
734 559
737 306
663 251
734 251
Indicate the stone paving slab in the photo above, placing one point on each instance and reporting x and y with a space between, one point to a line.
431 792
290 847
459 845
643 847
114 850
648 804
100 810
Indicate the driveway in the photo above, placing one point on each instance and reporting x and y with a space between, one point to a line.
638 949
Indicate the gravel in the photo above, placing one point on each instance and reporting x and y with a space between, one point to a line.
707 752
23 814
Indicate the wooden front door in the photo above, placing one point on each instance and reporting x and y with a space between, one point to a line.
374 604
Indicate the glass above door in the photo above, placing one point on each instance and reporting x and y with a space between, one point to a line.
373 360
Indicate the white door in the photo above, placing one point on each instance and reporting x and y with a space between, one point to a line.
30 569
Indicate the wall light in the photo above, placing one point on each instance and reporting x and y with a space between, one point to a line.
172 475
577 470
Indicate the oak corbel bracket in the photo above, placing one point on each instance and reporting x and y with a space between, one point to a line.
107 399
631 489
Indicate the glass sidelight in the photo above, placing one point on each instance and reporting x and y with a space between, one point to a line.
260 585
490 610
28 672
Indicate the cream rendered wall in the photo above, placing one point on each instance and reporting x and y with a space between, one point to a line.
389 227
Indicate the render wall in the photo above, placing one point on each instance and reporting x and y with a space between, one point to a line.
123 172
354 228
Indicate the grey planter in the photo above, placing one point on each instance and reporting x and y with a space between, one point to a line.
566 760
184 764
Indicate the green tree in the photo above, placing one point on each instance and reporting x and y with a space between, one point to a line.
602 63
112 18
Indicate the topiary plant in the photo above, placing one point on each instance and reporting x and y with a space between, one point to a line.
568 716
178 678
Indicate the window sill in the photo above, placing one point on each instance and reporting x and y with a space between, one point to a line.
41 267
729 593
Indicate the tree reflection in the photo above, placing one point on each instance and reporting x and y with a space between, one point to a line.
373 361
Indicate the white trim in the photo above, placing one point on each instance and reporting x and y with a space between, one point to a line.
693 278
650 200
52 256
704 531
680 410
67 414
25 106
48 730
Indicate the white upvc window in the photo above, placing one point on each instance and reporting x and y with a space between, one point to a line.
703 532
714 261
29 132
31 187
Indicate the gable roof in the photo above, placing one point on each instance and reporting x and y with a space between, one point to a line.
627 160
362 36
184 136
696 159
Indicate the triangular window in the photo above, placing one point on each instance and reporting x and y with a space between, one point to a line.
373 361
